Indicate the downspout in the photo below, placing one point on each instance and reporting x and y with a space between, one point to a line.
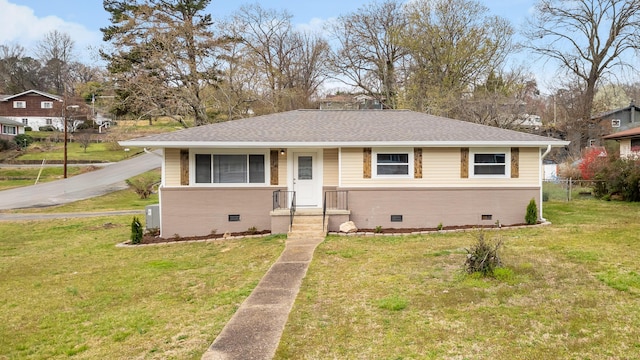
542 179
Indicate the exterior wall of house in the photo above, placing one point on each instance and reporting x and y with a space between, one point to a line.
188 211
440 168
426 208
171 174
330 167
442 195
34 113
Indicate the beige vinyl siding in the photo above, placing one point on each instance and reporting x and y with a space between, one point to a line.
282 169
441 168
172 167
330 165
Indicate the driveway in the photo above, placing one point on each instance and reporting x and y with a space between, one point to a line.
99 182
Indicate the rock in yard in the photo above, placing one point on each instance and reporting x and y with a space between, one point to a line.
348 227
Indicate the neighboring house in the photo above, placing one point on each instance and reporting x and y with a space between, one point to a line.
389 168
9 128
629 142
614 121
350 102
34 109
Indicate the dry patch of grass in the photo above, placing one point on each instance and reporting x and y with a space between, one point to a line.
567 291
66 290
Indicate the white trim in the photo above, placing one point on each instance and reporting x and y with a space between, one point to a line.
49 104
192 167
318 168
492 150
16 104
374 162
328 144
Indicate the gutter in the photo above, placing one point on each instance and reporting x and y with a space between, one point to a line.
151 152
542 180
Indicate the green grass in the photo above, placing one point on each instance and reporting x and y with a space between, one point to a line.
17 177
567 291
95 152
67 291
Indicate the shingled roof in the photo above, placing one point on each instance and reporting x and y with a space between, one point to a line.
322 128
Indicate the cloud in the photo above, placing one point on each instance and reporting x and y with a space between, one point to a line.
315 25
21 26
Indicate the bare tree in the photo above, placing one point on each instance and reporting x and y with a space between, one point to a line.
18 72
588 38
288 64
56 52
453 45
369 49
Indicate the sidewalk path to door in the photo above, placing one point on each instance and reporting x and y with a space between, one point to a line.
254 331
95 183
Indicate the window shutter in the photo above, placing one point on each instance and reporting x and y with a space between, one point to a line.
274 167
366 163
464 163
515 163
417 163
184 167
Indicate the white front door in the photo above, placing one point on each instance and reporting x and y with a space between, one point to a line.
305 180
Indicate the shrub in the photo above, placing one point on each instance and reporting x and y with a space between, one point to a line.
592 159
143 184
47 128
378 229
6 145
136 231
618 177
483 256
28 128
531 217
23 140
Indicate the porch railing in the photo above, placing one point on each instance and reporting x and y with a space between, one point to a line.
283 199
334 200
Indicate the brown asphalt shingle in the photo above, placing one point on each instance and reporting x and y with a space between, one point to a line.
329 126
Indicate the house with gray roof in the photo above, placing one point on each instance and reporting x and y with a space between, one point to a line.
377 168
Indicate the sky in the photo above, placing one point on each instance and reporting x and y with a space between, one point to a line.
25 22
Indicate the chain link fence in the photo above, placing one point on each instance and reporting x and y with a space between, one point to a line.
567 189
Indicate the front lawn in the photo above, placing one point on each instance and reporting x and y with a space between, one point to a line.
570 291
67 291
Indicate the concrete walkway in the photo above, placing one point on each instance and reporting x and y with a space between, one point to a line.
255 329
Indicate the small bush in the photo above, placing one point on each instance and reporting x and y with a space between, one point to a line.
136 231
440 226
23 140
531 217
28 128
47 128
143 185
252 230
6 145
378 229
483 256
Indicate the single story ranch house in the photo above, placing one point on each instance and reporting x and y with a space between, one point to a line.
387 168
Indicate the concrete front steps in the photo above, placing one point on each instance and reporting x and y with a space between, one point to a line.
307 224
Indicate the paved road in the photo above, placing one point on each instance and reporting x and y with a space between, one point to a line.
79 187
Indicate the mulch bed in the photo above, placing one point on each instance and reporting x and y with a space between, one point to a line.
152 239
418 230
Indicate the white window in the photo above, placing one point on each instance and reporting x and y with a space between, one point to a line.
49 121
230 168
592 142
392 163
8 129
19 104
615 123
46 105
489 163
25 122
